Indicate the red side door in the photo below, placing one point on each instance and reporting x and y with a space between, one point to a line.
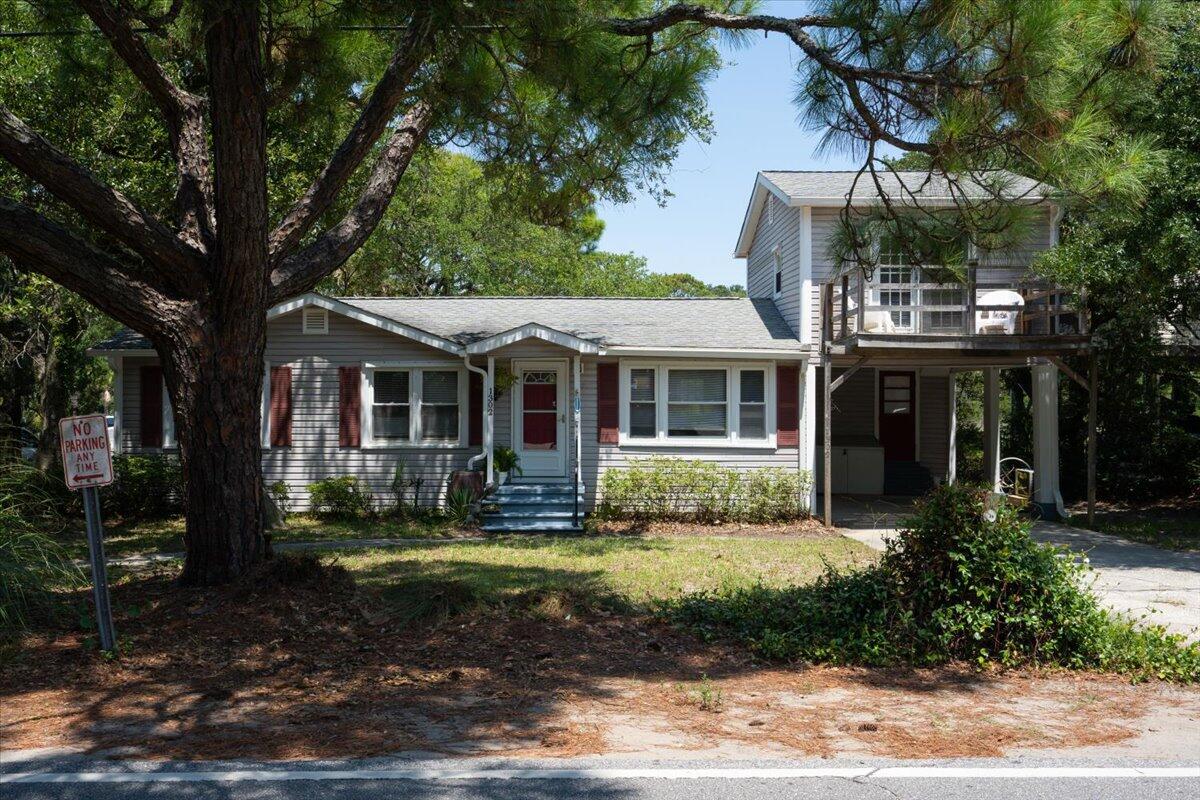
898 415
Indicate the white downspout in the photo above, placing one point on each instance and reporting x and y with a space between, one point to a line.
486 374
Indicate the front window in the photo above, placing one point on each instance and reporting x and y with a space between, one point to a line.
701 404
391 408
696 402
413 406
439 405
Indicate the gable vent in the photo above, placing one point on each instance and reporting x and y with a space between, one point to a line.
315 320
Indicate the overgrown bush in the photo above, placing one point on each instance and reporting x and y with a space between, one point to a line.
962 581
33 567
662 487
145 487
340 497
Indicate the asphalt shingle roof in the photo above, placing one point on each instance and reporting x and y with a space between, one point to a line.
709 323
836 185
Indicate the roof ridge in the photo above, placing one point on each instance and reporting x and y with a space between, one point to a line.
528 297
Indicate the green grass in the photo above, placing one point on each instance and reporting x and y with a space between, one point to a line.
1161 526
166 536
617 571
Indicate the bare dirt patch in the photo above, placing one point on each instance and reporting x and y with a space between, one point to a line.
307 666
800 528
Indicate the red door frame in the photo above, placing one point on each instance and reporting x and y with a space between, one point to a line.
898 432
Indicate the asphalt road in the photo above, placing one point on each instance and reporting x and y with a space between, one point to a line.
601 779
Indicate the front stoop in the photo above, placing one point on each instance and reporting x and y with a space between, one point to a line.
528 507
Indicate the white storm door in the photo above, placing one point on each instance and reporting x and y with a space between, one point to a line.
540 418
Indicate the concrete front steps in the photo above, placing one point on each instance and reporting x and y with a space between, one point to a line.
525 507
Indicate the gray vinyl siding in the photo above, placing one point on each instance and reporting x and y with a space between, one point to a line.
783 231
933 424
853 405
131 404
600 458
314 452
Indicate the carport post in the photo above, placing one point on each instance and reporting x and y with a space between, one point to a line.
1093 392
828 442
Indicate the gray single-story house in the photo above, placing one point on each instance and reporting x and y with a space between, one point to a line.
580 386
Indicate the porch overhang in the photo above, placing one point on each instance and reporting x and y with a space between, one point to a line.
533 330
918 345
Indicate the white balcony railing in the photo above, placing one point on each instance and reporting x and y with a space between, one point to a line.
851 305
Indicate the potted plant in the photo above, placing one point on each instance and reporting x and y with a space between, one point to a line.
507 461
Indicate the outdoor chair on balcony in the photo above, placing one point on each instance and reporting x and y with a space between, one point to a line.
994 320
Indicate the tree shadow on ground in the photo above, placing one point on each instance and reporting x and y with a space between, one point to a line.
451 657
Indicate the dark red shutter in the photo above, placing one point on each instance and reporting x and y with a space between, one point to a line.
608 410
475 409
349 406
787 406
152 406
281 406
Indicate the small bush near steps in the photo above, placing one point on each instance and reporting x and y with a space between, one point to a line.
340 498
962 581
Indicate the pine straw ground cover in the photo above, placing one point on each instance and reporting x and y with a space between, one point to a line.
542 647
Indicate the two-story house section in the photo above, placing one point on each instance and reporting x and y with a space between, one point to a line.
878 405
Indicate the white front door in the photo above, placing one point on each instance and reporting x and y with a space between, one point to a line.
540 417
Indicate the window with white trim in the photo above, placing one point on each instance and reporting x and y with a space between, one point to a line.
414 406
777 259
701 403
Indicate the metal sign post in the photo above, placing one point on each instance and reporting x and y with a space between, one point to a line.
87 465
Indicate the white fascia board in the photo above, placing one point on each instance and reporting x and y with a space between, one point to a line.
762 186
936 202
366 317
533 330
702 352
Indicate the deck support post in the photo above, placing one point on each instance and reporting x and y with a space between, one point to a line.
808 430
1045 439
827 476
991 428
952 428
1093 394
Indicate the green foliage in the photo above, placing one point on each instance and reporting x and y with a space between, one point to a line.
340 497
459 502
281 496
33 567
145 487
662 487
1140 266
962 581
453 229
506 459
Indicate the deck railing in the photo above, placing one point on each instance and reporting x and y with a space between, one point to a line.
852 305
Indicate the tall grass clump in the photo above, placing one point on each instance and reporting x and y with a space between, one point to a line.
33 567
962 581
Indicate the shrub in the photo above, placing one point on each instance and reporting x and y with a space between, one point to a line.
281 495
962 581
662 487
340 497
32 564
459 502
145 487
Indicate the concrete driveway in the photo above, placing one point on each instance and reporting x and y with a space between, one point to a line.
1162 586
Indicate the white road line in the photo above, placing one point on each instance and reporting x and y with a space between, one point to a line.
599 773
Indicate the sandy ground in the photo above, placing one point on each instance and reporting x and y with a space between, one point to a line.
314 671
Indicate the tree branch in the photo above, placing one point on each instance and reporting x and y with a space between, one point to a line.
367 129
302 270
183 113
175 261
38 244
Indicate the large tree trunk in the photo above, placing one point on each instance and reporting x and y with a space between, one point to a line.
216 390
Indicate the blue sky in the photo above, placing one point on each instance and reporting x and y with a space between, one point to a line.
755 129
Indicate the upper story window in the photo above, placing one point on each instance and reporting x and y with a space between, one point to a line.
413 406
718 404
777 262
